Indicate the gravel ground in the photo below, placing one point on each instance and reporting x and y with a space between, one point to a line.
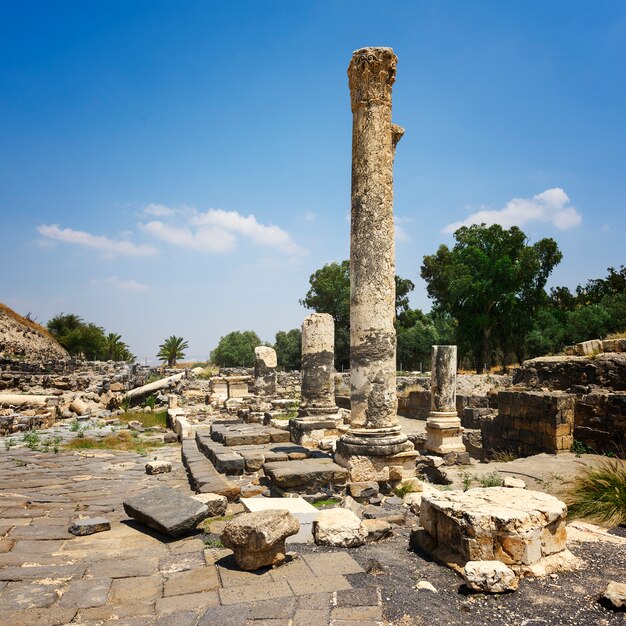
565 599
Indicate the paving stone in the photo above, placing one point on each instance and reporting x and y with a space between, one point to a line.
180 618
361 596
39 533
296 569
225 616
332 563
6 545
18 596
85 594
53 616
167 510
272 609
37 547
254 593
310 617
315 601
359 613
187 602
116 568
268 622
320 584
136 589
41 572
186 545
114 612
192 581
232 576
181 562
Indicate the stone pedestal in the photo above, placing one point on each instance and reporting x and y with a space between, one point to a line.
443 427
375 437
264 371
318 416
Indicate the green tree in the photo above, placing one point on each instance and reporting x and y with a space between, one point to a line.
491 282
172 349
77 337
415 345
236 349
329 292
288 348
587 322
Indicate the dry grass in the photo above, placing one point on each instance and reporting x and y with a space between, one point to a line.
26 322
147 419
620 335
122 440
599 493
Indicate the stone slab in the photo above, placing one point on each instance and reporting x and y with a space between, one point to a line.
167 510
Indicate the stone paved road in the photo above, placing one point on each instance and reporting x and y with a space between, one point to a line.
132 576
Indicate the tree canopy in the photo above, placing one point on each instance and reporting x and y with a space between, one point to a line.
492 283
288 348
172 349
88 340
236 349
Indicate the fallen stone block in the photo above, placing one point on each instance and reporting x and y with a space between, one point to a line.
490 577
258 539
216 504
158 467
167 510
89 526
515 483
615 595
377 529
339 527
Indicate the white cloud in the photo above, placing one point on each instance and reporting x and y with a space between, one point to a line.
125 285
217 230
549 206
400 231
97 242
158 210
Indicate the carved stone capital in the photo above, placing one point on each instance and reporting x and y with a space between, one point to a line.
371 74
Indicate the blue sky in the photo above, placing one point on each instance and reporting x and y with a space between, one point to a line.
183 167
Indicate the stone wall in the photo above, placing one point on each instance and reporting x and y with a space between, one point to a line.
575 373
21 422
288 385
600 421
530 422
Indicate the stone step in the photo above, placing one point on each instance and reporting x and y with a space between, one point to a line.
225 459
203 476
240 434
307 476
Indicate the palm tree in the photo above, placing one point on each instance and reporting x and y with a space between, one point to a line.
171 350
113 346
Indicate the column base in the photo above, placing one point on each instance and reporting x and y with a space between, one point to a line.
311 430
379 454
444 433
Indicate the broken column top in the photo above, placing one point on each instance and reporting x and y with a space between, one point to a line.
266 354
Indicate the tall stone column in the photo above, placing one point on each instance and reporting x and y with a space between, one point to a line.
443 427
265 371
374 428
318 415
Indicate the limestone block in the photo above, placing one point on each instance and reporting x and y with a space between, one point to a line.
215 503
89 526
490 577
515 483
158 467
258 539
339 527
363 490
377 529
615 594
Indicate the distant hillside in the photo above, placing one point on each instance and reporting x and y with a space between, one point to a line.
22 338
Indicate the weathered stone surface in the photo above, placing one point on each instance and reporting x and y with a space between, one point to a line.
89 526
258 539
339 527
517 527
516 483
304 512
215 503
308 475
265 371
167 510
615 594
158 467
490 577
363 490
377 529
374 428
